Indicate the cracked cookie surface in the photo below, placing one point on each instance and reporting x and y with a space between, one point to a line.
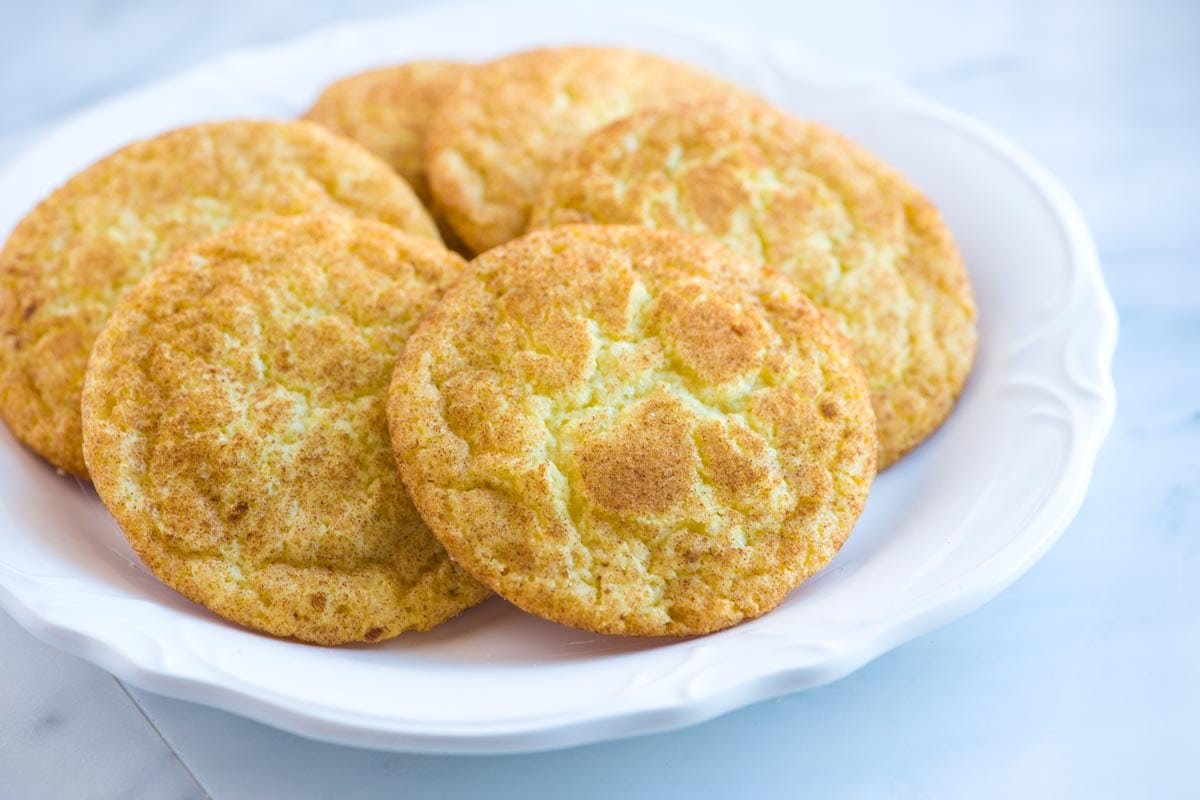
492 140
632 431
235 426
68 262
852 233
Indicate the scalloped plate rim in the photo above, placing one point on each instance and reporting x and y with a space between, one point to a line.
953 600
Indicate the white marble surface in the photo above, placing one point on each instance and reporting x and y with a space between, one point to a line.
1083 680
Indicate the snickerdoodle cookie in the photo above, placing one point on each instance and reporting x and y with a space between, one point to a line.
632 431
234 423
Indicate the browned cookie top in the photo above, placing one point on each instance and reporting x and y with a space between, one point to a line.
234 423
622 430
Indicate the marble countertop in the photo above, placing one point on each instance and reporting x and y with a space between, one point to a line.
1082 680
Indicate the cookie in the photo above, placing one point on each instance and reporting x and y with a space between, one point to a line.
387 111
494 137
858 238
625 431
68 262
234 424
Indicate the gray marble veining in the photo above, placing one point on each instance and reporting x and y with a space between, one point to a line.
69 730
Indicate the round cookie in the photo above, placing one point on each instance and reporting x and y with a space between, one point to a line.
234 424
624 431
853 234
387 111
68 262
494 138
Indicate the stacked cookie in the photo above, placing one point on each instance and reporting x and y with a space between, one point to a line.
647 406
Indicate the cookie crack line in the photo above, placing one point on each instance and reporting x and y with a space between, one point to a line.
566 409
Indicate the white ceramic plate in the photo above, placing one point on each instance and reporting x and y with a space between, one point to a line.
944 531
